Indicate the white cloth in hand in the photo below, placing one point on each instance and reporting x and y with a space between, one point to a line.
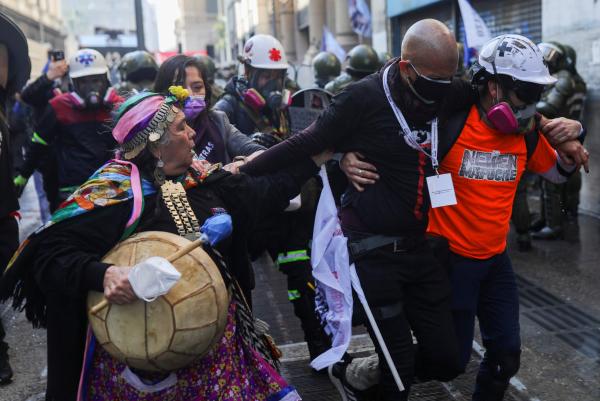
152 278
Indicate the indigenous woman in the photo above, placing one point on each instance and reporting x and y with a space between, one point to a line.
53 271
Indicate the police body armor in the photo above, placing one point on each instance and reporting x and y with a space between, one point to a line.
339 83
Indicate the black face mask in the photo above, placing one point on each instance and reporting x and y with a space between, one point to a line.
271 91
429 90
415 111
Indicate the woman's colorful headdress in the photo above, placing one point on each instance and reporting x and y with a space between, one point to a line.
145 118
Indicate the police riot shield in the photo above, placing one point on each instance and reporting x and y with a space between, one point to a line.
306 106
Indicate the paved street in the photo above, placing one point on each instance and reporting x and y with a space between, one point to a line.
560 319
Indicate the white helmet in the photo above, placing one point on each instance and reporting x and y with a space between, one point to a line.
87 62
515 56
264 51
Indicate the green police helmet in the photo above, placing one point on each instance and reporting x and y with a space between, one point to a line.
326 66
362 60
138 66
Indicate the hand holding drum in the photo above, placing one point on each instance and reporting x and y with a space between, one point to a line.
155 276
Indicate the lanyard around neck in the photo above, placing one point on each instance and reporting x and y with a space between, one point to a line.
409 136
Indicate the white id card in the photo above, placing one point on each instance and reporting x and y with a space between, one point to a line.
441 190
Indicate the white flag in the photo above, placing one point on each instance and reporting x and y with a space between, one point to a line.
360 17
331 45
476 32
331 270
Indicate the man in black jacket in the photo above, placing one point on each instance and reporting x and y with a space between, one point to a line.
14 72
405 285
76 123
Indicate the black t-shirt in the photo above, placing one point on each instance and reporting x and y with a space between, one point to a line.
360 119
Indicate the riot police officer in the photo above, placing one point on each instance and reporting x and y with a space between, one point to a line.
256 104
326 67
362 60
137 71
564 99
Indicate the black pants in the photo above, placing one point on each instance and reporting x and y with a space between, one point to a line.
9 241
410 291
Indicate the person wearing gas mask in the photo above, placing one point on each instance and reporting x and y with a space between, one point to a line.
486 150
216 140
257 101
76 123
257 105
15 68
396 120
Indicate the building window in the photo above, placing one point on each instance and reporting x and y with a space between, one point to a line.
212 6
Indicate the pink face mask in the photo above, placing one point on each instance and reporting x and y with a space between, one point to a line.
502 118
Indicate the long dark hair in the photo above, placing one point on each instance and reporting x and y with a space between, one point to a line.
172 72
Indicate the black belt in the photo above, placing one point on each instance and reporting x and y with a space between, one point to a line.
360 247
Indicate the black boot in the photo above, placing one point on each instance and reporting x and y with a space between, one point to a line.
6 372
553 212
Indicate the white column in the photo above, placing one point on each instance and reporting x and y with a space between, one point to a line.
316 20
287 26
343 30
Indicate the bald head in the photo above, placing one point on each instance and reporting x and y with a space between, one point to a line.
430 46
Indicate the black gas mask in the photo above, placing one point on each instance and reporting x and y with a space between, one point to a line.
269 84
91 89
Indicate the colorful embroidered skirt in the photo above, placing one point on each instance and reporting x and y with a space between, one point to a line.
232 371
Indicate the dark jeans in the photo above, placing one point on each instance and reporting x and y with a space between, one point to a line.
9 241
410 290
487 289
